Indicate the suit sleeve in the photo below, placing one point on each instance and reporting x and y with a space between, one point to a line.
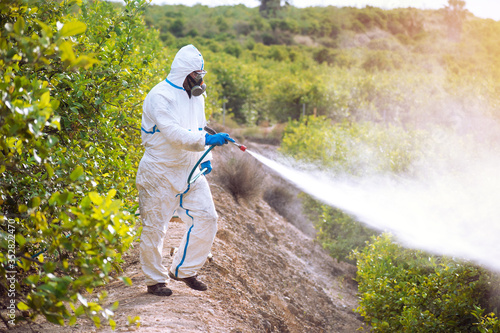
169 126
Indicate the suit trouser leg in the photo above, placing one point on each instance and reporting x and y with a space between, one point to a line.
157 207
197 210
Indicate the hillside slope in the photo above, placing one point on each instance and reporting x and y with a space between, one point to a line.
265 276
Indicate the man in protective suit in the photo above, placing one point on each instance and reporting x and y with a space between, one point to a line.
173 135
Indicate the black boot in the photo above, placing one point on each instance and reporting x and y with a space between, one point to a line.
159 289
191 281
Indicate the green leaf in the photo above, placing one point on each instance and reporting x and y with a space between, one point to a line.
21 306
96 198
54 198
55 319
85 203
72 321
46 29
112 324
34 202
23 209
79 311
19 25
33 279
77 173
67 53
72 28
47 287
114 306
49 169
85 62
111 193
49 266
44 100
126 280
97 321
20 239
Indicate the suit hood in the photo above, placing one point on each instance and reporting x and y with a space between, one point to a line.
188 59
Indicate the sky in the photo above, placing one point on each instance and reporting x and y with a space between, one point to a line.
480 8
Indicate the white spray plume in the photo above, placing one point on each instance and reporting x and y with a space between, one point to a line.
453 211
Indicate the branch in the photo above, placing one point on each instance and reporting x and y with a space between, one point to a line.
33 260
109 103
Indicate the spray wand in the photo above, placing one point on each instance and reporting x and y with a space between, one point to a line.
211 131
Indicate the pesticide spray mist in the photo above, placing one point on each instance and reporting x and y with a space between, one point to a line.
453 211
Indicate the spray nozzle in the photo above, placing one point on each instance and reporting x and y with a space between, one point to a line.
242 147
211 131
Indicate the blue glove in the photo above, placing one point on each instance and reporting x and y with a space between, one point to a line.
207 165
218 139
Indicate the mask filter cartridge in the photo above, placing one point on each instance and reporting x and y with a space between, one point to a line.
197 90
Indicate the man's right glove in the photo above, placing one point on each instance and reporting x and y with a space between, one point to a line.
218 139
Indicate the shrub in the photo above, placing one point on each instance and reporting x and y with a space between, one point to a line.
381 60
233 49
352 148
357 26
267 135
268 39
277 53
234 84
365 18
486 323
239 173
403 290
178 27
71 79
336 231
324 55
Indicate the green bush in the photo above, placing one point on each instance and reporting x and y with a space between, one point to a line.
357 26
403 290
381 60
486 323
73 77
325 55
336 231
352 148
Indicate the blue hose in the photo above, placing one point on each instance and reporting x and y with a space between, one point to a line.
198 163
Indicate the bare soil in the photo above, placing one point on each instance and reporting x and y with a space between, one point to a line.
265 276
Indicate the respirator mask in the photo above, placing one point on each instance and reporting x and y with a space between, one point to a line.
195 83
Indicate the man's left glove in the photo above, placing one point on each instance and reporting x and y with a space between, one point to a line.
207 165
218 139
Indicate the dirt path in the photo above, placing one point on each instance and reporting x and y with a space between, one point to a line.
265 276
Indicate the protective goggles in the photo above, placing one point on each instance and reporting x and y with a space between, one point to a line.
199 75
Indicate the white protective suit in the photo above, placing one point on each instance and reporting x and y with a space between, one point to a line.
174 140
